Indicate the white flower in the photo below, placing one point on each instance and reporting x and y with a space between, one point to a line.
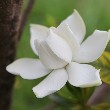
62 54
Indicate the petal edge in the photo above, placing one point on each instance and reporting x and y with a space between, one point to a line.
28 68
92 48
83 75
37 32
52 83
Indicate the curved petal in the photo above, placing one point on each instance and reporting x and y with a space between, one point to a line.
76 25
54 52
37 32
83 75
59 46
65 32
28 68
92 48
52 83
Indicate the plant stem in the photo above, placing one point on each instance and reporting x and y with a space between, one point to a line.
25 17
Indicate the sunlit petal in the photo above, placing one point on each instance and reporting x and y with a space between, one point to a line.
37 32
83 75
92 48
54 52
28 68
76 25
52 83
65 32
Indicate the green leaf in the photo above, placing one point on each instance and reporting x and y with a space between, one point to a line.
102 106
60 100
76 95
108 47
103 63
65 93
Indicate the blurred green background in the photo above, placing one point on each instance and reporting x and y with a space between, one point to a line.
96 15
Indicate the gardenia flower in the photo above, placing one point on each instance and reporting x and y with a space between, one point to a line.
64 56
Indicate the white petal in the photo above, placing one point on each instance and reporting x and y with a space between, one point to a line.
54 52
28 68
92 48
37 32
77 26
52 83
59 46
83 75
65 32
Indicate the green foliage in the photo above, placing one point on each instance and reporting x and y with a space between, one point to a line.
102 106
72 97
103 63
108 47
